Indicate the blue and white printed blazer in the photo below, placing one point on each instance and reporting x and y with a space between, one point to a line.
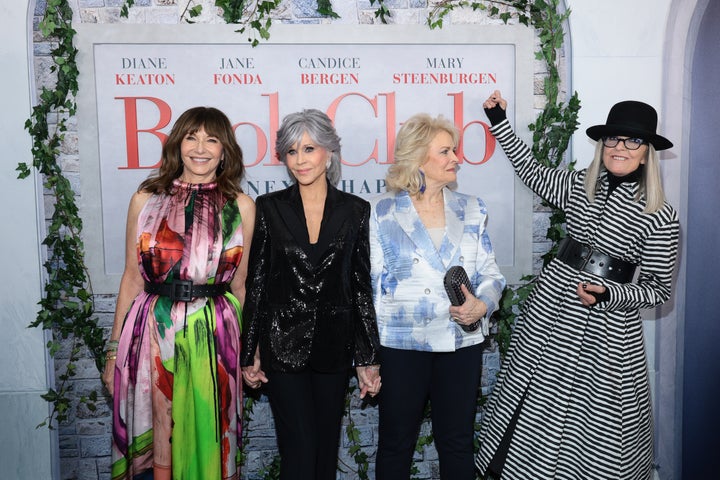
407 271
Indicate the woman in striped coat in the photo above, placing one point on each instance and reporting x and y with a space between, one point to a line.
572 399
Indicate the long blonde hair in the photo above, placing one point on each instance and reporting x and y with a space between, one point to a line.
650 185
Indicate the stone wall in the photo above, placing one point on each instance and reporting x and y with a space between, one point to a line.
85 439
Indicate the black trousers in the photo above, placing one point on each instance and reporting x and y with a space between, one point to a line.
308 408
451 381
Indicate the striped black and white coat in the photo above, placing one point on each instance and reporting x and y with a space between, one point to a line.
582 371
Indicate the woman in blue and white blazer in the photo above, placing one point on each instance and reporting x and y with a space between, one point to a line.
429 349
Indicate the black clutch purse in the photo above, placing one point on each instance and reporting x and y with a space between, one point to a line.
454 277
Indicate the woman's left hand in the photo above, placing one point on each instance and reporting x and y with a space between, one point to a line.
369 380
469 312
586 290
253 375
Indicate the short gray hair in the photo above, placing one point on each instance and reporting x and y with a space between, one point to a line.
320 129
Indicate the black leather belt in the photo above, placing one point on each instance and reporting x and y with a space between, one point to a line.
581 256
185 291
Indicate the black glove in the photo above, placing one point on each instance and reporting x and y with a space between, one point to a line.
601 297
495 115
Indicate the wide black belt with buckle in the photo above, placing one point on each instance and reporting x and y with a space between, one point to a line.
582 257
185 290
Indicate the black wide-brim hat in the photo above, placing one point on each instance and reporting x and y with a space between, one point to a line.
634 119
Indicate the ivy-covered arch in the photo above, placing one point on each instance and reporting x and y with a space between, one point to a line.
67 308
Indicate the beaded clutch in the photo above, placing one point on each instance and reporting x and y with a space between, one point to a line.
454 277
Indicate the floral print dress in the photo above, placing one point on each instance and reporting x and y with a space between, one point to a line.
177 383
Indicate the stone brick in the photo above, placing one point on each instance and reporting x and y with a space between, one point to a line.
44 76
262 440
89 15
68 445
306 9
103 407
112 15
40 7
541 222
103 466
94 446
164 15
365 437
69 163
105 303
42 49
91 3
84 437
87 469
93 427
69 468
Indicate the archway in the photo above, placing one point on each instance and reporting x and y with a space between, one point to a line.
687 346
701 362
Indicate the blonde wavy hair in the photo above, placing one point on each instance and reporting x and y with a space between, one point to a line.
651 189
411 149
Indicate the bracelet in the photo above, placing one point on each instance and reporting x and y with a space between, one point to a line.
374 368
110 357
112 345
472 327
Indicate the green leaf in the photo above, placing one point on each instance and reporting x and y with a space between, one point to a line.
195 11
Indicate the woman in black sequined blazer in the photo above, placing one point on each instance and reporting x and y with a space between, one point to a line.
308 315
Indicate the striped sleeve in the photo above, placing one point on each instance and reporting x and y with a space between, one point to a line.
551 184
654 282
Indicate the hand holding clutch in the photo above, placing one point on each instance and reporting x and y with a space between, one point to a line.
454 277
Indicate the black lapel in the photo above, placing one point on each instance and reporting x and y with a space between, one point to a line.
291 210
334 214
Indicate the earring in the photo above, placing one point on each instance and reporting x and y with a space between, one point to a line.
422 181
327 164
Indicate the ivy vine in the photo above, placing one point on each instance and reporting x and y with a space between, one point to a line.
67 307
68 304
256 14
551 131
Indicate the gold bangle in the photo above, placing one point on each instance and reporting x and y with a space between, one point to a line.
110 357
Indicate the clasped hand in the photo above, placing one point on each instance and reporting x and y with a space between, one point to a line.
369 380
368 377
469 312
254 375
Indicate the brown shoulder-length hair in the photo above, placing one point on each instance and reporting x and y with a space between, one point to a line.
216 124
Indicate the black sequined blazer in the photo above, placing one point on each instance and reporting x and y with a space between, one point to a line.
309 306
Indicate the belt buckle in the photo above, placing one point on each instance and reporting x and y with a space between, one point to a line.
181 291
586 255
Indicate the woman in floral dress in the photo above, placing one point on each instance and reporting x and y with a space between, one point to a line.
173 356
